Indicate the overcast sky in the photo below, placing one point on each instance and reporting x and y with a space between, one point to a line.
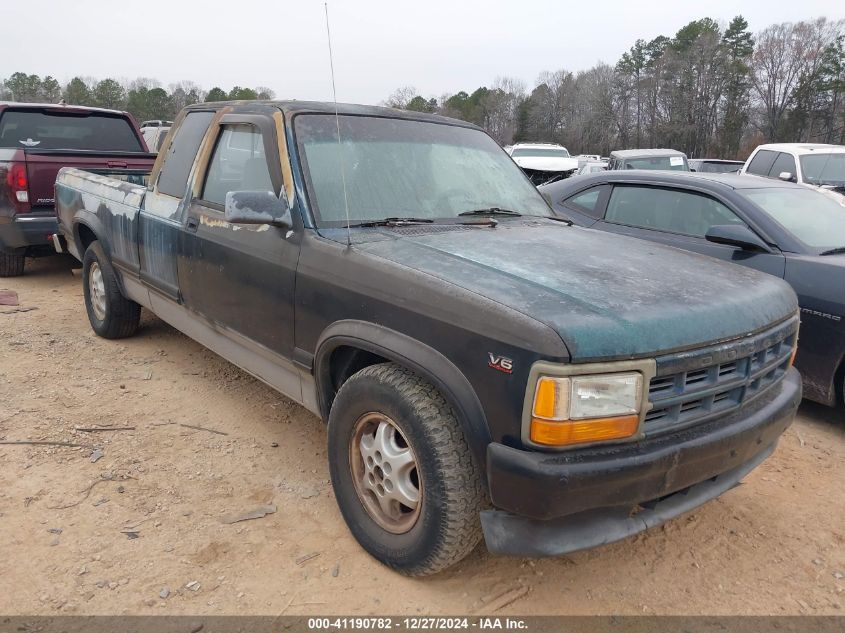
436 46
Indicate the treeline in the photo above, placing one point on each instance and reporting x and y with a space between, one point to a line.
711 90
144 98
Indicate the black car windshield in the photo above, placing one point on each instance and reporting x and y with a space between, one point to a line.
824 169
813 217
540 152
401 168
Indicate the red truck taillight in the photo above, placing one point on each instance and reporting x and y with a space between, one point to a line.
17 185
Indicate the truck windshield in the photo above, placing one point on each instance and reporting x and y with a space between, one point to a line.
44 129
811 216
400 168
824 169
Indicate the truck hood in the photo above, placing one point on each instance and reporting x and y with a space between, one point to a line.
607 296
546 163
836 194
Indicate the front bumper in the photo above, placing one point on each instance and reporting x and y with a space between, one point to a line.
27 230
550 504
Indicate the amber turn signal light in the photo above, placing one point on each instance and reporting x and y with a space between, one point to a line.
566 433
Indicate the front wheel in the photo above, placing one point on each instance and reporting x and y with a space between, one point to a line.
111 314
403 474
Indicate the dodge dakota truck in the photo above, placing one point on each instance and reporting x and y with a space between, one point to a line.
38 139
483 368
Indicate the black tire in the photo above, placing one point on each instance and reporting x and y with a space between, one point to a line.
121 315
11 264
447 525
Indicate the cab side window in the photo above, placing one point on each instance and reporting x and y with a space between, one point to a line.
173 178
237 164
670 210
762 162
588 202
784 162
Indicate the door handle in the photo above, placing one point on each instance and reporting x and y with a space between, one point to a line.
192 224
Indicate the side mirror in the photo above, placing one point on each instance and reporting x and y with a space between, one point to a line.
737 235
787 176
257 207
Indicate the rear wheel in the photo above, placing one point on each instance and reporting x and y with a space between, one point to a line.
11 264
111 314
403 474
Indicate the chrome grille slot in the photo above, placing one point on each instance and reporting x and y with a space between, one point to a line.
692 387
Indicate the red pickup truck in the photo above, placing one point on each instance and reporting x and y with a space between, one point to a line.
36 141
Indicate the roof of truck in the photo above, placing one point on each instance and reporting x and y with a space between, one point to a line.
803 148
328 107
636 153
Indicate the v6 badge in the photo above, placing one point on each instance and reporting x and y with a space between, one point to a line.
500 363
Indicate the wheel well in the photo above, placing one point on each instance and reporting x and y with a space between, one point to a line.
86 236
346 361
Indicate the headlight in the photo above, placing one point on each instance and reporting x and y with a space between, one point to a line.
582 409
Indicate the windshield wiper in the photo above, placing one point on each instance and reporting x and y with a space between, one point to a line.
392 222
557 218
834 251
491 211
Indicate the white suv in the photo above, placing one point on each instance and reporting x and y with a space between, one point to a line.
812 164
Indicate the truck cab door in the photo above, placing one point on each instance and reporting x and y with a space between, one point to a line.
240 278
681 218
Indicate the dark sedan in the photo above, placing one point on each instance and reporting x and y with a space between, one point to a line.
778 227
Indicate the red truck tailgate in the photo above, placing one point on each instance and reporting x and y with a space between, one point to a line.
42 166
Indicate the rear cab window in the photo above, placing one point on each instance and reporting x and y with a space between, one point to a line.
71 130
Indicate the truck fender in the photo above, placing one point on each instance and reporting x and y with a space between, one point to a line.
410 353
91 222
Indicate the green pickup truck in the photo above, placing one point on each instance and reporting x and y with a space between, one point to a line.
483 367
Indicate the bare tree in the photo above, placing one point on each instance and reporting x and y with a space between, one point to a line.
400 97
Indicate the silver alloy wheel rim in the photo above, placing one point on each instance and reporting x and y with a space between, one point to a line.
385 473
97 291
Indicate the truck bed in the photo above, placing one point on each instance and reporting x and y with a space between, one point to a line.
110 199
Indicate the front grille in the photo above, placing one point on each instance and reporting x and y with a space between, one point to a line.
694 386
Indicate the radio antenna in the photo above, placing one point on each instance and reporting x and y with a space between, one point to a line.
337 125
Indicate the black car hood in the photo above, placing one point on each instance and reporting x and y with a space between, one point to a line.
607 296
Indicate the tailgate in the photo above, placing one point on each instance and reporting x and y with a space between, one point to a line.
42 166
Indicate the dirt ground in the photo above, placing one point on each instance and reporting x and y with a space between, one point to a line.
141 531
